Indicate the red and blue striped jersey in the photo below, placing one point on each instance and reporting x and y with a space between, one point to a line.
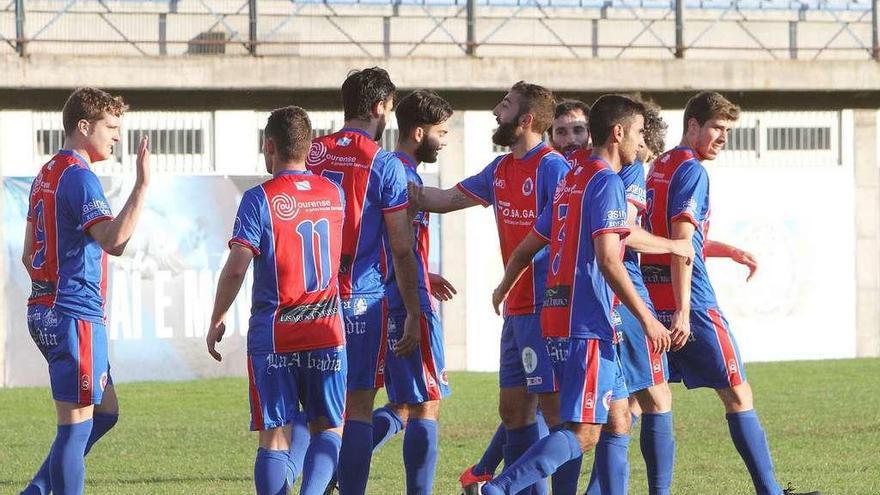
678 190
589 202
293 224
421 248
374 183
68 268
519 189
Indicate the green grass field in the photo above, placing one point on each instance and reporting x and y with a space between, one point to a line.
822 418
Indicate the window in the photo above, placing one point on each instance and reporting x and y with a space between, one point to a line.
49 141
798 138
742 139
169 141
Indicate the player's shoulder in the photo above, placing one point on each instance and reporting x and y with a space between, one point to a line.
632 172
74 173
554 161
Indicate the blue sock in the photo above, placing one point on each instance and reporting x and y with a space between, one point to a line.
565 480
612 463
493 454
518 441
270 472
299 443
386 424
354 457
540 461
420 455
751 443
320 462
658 448
67 470
101 424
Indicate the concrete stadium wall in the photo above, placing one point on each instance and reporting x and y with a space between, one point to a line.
814 282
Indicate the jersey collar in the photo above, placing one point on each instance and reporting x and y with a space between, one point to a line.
74 154
292 172
534 150
406 159
357 131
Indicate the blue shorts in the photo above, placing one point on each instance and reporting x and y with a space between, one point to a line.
421 376
279 383
711 357
590 378
641 367
76 351
365 335
524 357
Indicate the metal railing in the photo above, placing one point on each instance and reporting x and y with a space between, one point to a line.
776 29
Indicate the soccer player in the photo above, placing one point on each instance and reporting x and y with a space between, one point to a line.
570 131
585 229
70 231
518 185
375 187
291 228
417 381
678 208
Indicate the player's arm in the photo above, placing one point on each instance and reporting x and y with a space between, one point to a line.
607 247
27 252
438 200
406 272
716 249
228 285
517 263
681 273
113 235
643 241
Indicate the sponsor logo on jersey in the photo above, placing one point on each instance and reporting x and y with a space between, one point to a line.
85 383
606 400
343 141
732 366
307 312
589 403
529 359
499 183
303 185
656 274
285 206
95 205
40 288
51 319
558 296
657 366
316 153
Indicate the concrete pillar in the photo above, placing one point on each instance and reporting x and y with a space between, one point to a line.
867 194
453 265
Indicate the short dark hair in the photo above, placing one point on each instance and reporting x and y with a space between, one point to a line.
362 89
89 104
570 105
610 110
421 107
538 101
291 131
709 105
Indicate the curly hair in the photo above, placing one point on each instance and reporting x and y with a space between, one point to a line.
90 104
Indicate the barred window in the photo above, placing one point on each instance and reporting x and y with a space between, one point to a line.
169 141
49 141
742 139
798 138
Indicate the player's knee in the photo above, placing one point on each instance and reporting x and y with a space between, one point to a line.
359 405
737 399
655 399
424 410
618 423
587 435
517 408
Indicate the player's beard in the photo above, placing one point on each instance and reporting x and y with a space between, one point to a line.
426 152
506 134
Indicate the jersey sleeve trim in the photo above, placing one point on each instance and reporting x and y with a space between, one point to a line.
539 234
623 231
392 209
686 217
461 187
245 243
95 220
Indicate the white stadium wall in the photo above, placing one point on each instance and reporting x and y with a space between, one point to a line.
795 210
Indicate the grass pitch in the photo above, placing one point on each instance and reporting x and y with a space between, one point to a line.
822 419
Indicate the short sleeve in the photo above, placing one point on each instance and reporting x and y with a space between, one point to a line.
633 177
248 225
607 211
83 196
544 223
551 172
394 195
481 186
689 194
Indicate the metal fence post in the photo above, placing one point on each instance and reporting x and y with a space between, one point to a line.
792 40
472 27
252 27
679 28
20 41
875 38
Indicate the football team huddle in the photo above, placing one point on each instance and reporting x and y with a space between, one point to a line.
605 294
